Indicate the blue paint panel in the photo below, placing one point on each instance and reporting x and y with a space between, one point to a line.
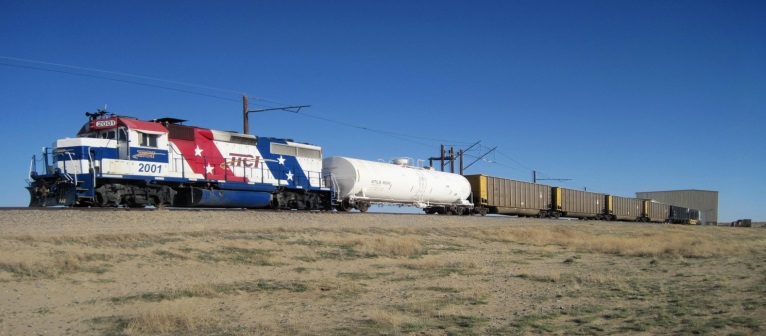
229 199
280 171
81 153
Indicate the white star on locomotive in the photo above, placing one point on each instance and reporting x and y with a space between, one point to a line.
289 175
198 151
281 160
209 168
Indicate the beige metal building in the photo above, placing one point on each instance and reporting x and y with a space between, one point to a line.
706 201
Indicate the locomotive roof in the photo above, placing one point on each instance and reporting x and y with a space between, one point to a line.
130 122
143 125
169 120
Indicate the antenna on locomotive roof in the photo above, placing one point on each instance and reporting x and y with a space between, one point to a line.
94 115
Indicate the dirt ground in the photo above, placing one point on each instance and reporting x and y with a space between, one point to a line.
116 272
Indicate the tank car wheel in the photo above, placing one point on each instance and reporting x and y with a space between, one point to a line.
362 206
346 206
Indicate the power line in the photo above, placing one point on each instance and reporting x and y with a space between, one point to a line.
394 134
120 80
120 74
399 136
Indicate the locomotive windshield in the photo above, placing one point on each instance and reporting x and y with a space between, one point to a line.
119 134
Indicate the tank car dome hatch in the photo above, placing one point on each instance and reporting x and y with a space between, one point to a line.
401 161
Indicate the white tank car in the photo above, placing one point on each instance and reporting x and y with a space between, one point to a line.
359 183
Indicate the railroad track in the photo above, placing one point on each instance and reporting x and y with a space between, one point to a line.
192 209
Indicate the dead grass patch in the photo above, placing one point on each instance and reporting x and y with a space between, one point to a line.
62 262
419 275
176 318
662 243
385 246
438 267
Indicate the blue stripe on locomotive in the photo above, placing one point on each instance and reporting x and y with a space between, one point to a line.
291 164
76 153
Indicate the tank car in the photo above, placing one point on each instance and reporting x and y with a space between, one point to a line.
119 160
360 183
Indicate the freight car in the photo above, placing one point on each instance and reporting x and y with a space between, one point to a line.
359 183
120 160
495 195
576 204
623 208
682 215
654 212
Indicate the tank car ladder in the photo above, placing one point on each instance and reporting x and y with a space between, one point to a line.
421 187
335 189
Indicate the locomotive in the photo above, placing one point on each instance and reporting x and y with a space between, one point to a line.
119 160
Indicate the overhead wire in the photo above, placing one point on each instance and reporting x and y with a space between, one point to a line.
377 130
262 102
119 73
119 80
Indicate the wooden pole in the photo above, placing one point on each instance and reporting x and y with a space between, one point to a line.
245 120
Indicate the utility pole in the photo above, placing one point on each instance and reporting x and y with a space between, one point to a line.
246 112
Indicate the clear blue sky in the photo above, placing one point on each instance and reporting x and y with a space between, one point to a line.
618 96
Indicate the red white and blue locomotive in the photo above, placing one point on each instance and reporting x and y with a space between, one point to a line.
118 160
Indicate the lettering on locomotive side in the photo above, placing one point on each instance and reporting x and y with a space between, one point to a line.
149 154
380 182
242 160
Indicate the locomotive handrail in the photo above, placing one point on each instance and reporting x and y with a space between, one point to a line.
183 168
45 158
32 166
66 173
93 166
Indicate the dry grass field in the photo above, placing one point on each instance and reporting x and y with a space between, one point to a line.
264 273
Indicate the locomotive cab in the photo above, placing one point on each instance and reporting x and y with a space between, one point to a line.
87 170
